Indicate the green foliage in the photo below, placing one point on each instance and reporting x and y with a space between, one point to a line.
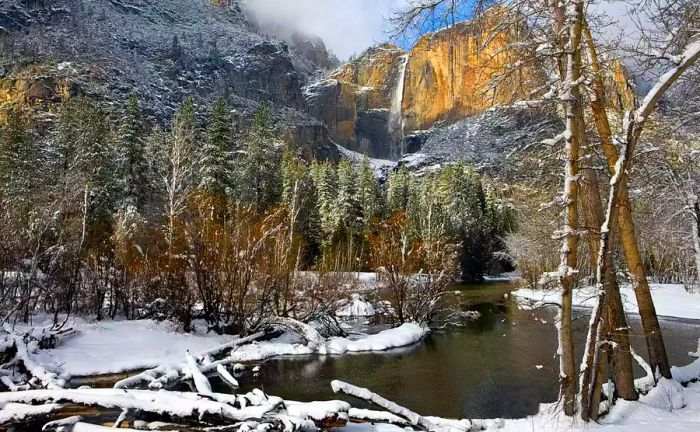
398 190
132 166
258 181
19 160
215 169
125 209
368 195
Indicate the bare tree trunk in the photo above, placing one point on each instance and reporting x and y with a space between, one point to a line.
615 325
628 237
569 248
696 237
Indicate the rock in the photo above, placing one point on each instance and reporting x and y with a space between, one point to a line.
164 51
443 86
359 101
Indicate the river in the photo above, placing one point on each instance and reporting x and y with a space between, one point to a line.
501 365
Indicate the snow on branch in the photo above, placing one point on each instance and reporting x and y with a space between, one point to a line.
687 58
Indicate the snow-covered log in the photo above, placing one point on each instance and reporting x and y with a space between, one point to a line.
201 382
326 414
165 376
217 409
19 349
226 377
373 398
366 415
310 334
11 412
85 427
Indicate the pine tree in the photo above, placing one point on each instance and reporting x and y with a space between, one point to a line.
325 184
367 195
349 216
19 161
95 171
397 191
214 167
133 170
259 182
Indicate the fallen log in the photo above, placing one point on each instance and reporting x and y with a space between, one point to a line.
394 408
218 409
163 377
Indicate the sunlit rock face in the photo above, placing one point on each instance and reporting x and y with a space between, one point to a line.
360 102
451 73
376 103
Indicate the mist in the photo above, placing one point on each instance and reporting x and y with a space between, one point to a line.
346 27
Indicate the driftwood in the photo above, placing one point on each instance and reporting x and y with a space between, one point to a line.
400 416
308 333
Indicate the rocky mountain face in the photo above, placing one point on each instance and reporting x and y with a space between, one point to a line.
431 105
164 50
360 102
388 102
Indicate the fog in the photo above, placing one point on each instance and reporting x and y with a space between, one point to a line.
346 26
350 26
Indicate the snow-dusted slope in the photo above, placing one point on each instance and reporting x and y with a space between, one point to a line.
165 51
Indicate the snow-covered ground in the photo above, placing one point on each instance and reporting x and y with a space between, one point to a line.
116 346
380 167
119 346
668 407
671 300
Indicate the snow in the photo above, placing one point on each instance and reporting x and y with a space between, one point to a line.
15 412
318 410
380 167
161 402
406 334
671 300
357 307
110 346
201 382
226 376
363 393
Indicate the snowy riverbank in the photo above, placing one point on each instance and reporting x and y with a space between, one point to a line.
111 347
671 300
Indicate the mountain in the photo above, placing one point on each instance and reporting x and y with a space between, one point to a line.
449 98
430 105
385 102
165 51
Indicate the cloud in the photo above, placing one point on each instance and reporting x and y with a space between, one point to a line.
346 26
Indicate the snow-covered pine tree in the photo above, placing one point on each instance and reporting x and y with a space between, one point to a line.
133 170
214 166
367 195
94 170
349 215
258 180
179 160
325 184
19 162
397 190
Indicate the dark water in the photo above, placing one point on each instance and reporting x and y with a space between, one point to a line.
486 370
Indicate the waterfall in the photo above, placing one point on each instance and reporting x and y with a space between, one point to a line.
396 123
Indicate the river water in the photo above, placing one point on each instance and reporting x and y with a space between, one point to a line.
500 365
